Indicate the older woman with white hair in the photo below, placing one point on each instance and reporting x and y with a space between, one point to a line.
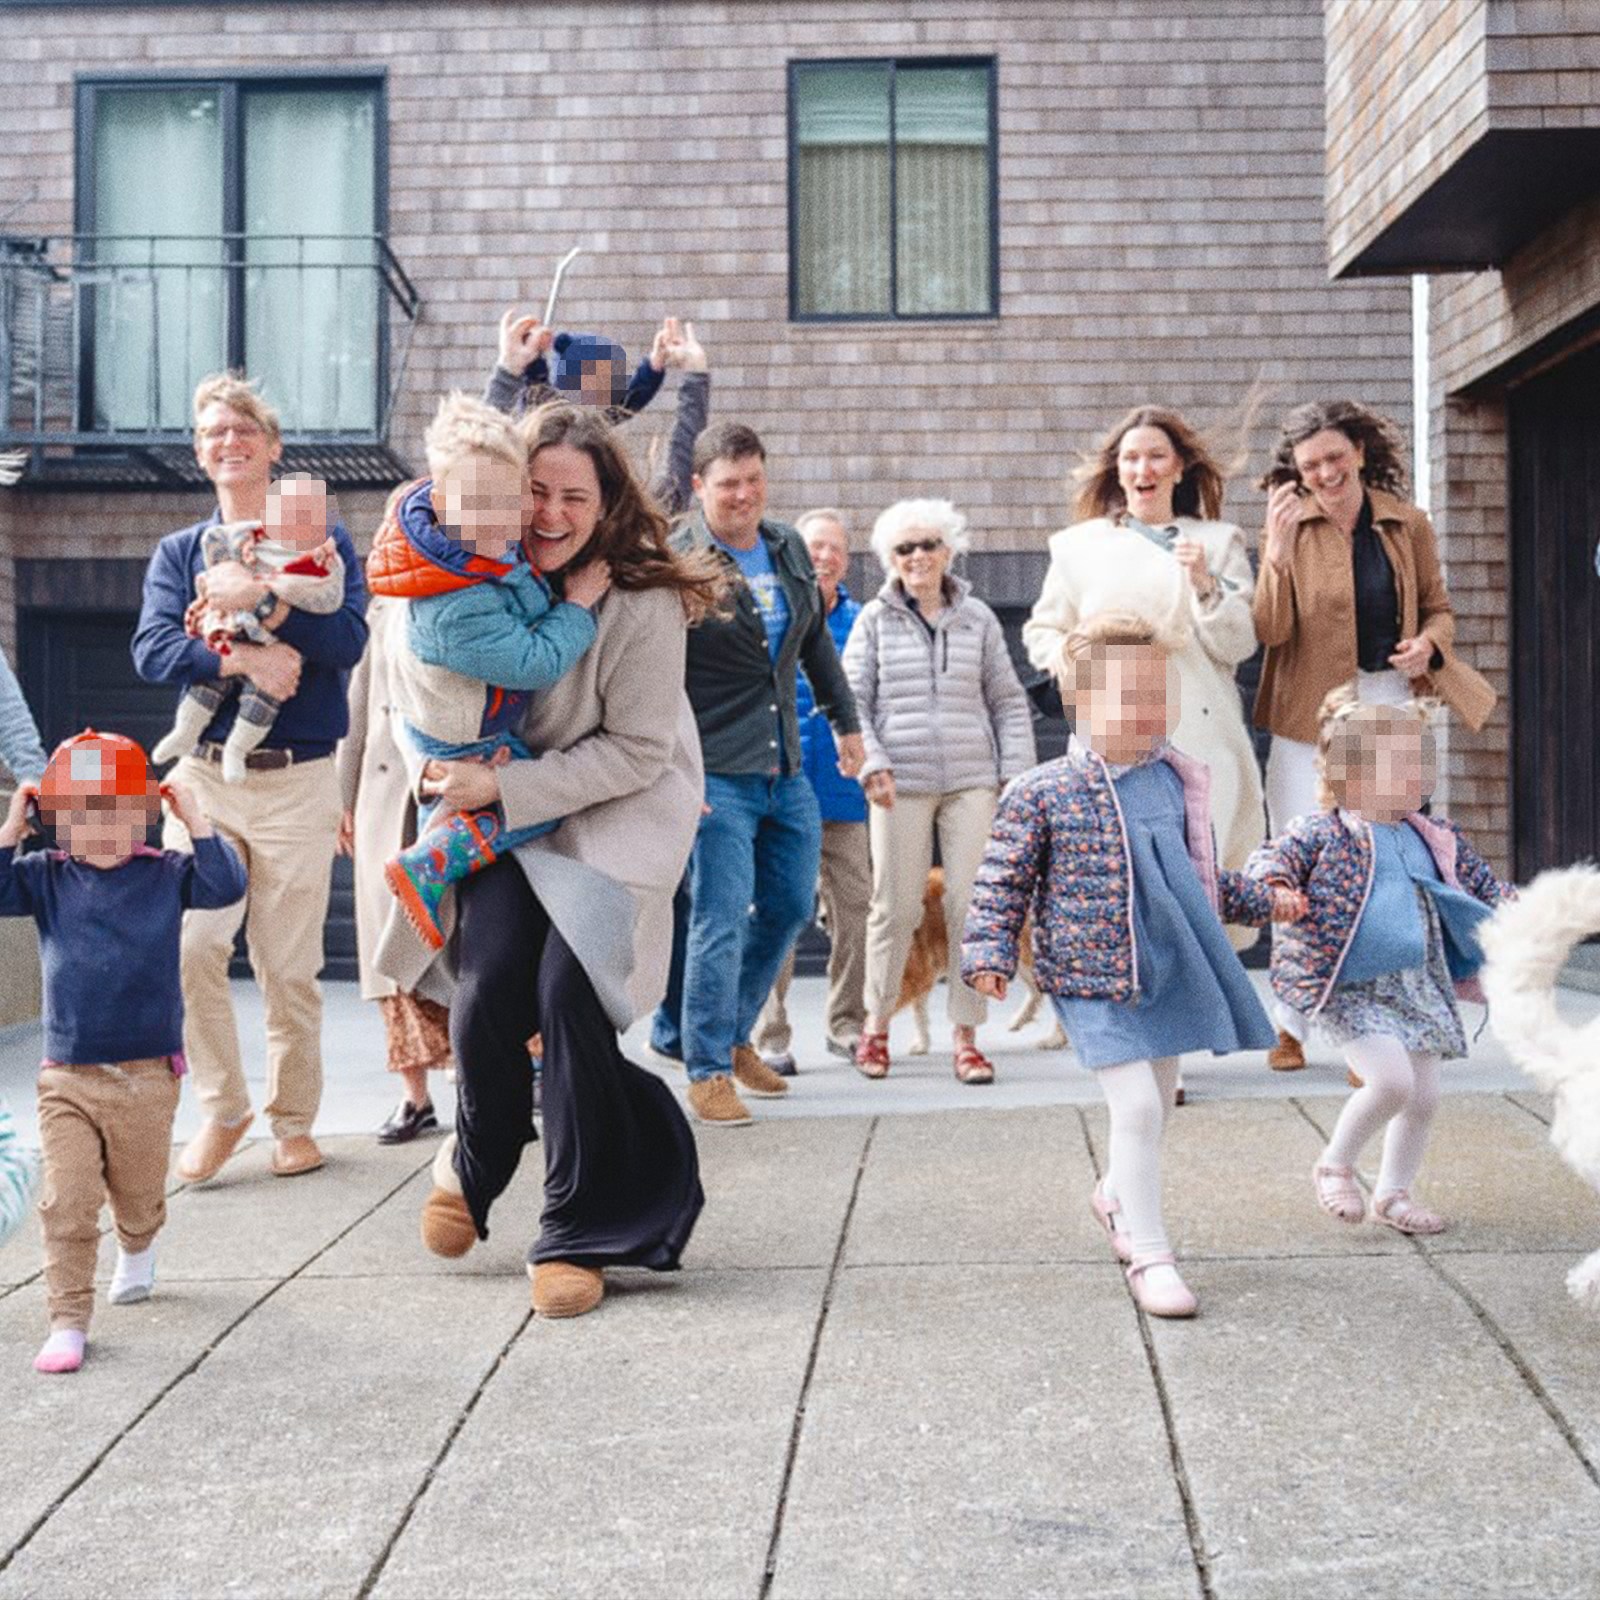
946 724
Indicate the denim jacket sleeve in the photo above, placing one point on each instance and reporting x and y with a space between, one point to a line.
20 747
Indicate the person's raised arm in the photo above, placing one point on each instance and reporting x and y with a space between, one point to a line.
520 363
1223 622
672 487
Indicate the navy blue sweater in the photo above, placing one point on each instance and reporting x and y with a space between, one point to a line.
316 717
108 942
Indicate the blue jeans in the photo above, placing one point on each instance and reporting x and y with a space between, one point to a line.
666 1027
752 886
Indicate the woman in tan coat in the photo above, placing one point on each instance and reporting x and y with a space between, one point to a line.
379 821
569 937
1349 591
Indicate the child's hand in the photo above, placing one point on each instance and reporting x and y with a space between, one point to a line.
16 827
585 586
522 341
1288 905
991 984
185 805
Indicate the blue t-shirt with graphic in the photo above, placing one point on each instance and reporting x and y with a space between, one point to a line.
771 601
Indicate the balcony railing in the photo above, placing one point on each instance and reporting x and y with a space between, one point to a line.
103 340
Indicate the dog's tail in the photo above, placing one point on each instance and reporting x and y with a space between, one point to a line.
1527 942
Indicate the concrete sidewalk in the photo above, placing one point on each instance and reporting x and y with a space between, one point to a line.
899 1362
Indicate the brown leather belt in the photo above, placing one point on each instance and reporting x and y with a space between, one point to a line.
255 761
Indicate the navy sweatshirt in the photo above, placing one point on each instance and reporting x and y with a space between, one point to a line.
108 941
316 717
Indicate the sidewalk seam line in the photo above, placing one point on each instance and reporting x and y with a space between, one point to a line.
1169 1422
376 1570
1511 1100
1501 1339
102 1455
769 1571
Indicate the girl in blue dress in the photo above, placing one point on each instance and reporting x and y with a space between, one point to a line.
1111 848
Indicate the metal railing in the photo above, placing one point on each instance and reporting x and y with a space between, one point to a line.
103 338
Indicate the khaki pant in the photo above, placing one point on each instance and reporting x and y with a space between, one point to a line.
284 823
845 889
902 854
106 1133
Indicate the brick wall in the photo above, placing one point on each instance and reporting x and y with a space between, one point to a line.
1161 174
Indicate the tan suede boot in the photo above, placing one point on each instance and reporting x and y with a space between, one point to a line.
715 1102
562 1290
447 1226
755 1077
205 1155
1287 1055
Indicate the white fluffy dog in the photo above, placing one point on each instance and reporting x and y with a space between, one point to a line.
1526 942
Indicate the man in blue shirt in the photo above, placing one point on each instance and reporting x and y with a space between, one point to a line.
283 819
845 884
752 877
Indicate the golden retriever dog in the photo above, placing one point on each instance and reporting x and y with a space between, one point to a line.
930 957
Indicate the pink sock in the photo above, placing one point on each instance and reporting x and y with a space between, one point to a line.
62 1351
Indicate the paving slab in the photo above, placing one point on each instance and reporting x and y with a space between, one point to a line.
55 1427
1538 1105
1491 1171
982 1431
1214 1156
1558 1339
636 1453
276 1470
1350 1430
936 1186
776 1193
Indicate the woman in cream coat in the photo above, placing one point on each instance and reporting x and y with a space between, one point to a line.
1148 540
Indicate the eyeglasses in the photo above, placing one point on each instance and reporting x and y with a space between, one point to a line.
911 546
239 430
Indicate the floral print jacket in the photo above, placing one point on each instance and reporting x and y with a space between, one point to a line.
1329 855
1059 848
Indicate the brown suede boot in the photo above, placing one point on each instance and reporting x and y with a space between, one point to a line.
447 1225
1287 1055
754 1076
562 1290
205 1154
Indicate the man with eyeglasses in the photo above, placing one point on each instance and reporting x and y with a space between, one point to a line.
753 875
283 819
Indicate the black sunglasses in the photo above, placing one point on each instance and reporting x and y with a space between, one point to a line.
910 545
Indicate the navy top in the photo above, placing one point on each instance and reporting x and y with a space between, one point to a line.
108 942
316 717
1193 993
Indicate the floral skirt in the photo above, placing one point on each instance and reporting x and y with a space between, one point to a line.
416 1031
1416 1006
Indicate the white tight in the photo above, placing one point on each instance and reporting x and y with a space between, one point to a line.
1400 1087
1139 1096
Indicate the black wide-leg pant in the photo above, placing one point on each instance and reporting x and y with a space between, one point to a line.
622 1175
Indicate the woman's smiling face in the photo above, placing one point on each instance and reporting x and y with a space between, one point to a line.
566 505
1149 470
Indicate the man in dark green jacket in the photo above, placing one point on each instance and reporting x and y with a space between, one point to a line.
752 877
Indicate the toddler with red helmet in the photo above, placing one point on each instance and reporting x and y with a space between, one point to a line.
109 909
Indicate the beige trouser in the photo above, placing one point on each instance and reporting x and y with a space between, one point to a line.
845 889
902 854
106 1133
284 823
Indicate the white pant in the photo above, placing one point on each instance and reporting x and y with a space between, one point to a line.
1400 1087
1139 1096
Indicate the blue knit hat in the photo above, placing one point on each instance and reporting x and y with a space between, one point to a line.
571 351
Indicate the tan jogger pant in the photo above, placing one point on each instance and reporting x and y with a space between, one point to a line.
902 854
106 1134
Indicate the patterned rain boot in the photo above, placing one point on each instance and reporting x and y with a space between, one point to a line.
464 843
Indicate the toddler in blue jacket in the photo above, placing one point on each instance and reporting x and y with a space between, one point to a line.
482 632
109 911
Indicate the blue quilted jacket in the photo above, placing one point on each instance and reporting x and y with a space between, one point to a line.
1329 855
1059 848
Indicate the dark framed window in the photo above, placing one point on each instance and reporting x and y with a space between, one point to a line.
231 222
893 192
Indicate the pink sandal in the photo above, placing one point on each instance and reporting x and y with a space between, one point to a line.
1109 1215
1175 1300
972 1065
1338 1193
1399 1211
872 1055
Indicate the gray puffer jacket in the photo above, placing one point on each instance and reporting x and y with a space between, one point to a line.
940 706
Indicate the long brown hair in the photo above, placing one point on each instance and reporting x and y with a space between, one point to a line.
1198 492
1384 466
631 535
